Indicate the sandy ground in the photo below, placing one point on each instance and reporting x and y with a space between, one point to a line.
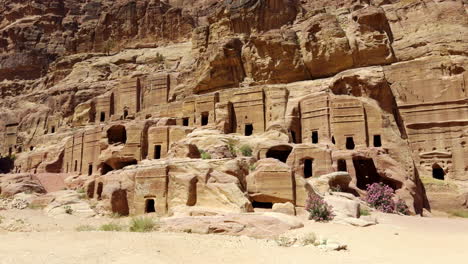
397 239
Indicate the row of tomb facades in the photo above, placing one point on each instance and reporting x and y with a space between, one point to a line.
344 121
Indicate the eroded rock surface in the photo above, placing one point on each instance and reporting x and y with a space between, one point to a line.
233 106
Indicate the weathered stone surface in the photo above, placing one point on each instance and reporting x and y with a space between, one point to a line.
222 106
18 183
271 182
343 207
284 208
253 225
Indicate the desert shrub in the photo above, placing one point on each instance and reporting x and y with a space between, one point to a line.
111 227
84 228
309 239
380 196
246 150
363 212
459 213
142 224
232 147
318 209
283 241
68 209
204 154
336 188
401 207
159 58
252 167
115 215
35 206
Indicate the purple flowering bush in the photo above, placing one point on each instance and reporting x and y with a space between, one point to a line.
380 196
318 209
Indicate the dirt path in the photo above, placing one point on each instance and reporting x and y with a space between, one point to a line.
396 239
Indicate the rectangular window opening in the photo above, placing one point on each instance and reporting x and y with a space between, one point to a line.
157 151
315 137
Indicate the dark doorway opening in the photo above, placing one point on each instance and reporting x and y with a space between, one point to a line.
111 105
90 169
308 169
6 164
90 190
105 168
366 173
438 172
350 143
100 186
157 151
31 148
138 96
377 141
342 165
117 134
52 130
76 165
185 121
280 153
125 114
333 140
103 117
149 206
315 137
119 202
67 168
263 205
204 118
248 129
10 151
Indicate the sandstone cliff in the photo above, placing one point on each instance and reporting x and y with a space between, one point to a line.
230 105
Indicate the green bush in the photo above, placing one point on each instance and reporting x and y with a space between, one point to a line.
232 147
84 228
111 227
459 213
364 212
205 155
246 150
142 224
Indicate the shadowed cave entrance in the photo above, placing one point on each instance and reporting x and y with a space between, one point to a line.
308 170
438 172
262 205
366 173
117 134
149 206
90 190
280 153
100 186
342 165
119 202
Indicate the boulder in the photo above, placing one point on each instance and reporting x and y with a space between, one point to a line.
284 208
343 207
253 225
